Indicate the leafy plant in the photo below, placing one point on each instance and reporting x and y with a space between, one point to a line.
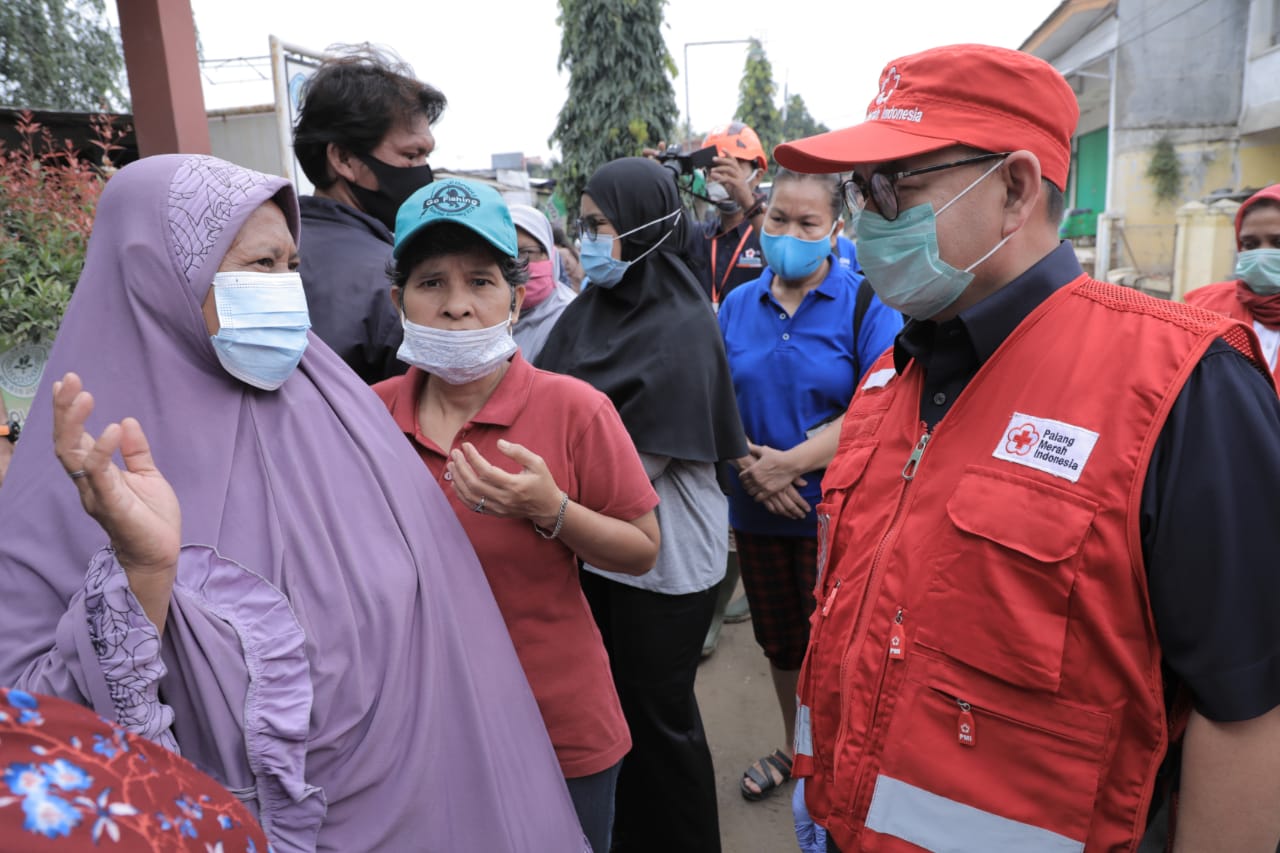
47 199
620 96
1165 171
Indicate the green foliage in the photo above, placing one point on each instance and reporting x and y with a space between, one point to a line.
1165 171
798 123
620 96
47 199
756 93
59 55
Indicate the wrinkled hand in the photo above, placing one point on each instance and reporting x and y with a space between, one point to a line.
728 172
135 506
769 474
787 503
531 493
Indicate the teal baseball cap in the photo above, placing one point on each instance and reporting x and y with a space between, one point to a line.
470 204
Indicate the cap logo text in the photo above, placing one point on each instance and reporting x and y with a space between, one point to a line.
451 199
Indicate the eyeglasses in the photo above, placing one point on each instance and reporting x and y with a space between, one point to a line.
587 228
883 187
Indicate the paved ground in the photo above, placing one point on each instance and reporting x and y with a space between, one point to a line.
743 723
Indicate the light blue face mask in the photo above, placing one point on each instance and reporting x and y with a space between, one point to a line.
264 323
1259 269
793 259
598 262
902 261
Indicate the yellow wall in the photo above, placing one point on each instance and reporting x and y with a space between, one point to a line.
1259 165
1149 225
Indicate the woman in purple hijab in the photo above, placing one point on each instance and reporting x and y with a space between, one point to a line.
331 651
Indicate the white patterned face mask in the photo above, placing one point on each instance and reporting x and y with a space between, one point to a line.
456 356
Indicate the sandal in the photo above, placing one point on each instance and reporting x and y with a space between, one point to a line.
764 780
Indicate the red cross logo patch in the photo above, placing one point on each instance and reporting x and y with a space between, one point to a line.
1022 440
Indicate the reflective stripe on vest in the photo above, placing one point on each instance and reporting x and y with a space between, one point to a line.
803 732
936 823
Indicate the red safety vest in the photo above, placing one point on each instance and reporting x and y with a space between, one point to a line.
1221 297
983 672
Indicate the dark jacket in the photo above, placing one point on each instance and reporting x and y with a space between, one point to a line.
344 271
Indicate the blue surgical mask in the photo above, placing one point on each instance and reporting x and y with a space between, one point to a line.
793 259
596 255
264 323
1259 269
902 261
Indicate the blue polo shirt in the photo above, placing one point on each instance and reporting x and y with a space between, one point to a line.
1209 503
793 372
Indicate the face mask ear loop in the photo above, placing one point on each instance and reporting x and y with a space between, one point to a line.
676 212
994 249
981 178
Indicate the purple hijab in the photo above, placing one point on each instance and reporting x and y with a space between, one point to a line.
333 653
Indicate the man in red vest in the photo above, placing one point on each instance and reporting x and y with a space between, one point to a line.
1048 607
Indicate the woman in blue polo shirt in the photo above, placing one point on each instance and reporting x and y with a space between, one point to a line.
796 358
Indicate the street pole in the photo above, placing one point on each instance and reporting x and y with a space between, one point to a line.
687 117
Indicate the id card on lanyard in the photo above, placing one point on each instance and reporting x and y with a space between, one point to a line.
718 282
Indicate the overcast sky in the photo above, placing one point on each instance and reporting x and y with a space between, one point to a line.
496 61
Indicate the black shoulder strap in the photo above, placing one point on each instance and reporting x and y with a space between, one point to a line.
860 305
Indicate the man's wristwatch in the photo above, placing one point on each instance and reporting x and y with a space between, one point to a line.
11 429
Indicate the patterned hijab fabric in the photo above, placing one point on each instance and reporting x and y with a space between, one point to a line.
70 780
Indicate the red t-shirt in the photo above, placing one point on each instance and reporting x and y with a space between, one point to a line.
576 430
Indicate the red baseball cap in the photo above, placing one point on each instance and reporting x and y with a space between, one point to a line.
985 97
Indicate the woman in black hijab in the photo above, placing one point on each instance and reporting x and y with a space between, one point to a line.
644 334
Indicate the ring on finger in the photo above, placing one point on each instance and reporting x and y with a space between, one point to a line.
479 507
78 475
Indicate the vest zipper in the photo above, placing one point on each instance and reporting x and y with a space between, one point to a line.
909 471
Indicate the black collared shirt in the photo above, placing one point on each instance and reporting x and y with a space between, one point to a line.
1210 510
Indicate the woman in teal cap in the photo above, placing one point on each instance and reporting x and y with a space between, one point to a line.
538 468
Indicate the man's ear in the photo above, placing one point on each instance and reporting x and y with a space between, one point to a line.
395 299
1021 173
342 162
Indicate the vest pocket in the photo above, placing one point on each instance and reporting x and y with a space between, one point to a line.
842 474
963 770
1001 588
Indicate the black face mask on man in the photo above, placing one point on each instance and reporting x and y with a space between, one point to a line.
395 184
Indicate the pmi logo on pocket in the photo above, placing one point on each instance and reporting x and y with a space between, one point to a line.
1054 447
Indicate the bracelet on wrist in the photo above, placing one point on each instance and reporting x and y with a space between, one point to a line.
555 531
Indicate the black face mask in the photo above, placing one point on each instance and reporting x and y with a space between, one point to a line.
395 184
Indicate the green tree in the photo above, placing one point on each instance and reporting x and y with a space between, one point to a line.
798 123
620 96
59 54
756 95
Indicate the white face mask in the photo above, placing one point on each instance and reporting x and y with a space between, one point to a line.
456 356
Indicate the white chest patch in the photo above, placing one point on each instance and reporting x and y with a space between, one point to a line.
1054 447
879 378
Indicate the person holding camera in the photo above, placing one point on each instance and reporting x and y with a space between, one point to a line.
725 250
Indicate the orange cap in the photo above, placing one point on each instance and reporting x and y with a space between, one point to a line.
737 140
985 97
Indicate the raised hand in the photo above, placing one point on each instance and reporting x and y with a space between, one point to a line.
135 505
531 493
